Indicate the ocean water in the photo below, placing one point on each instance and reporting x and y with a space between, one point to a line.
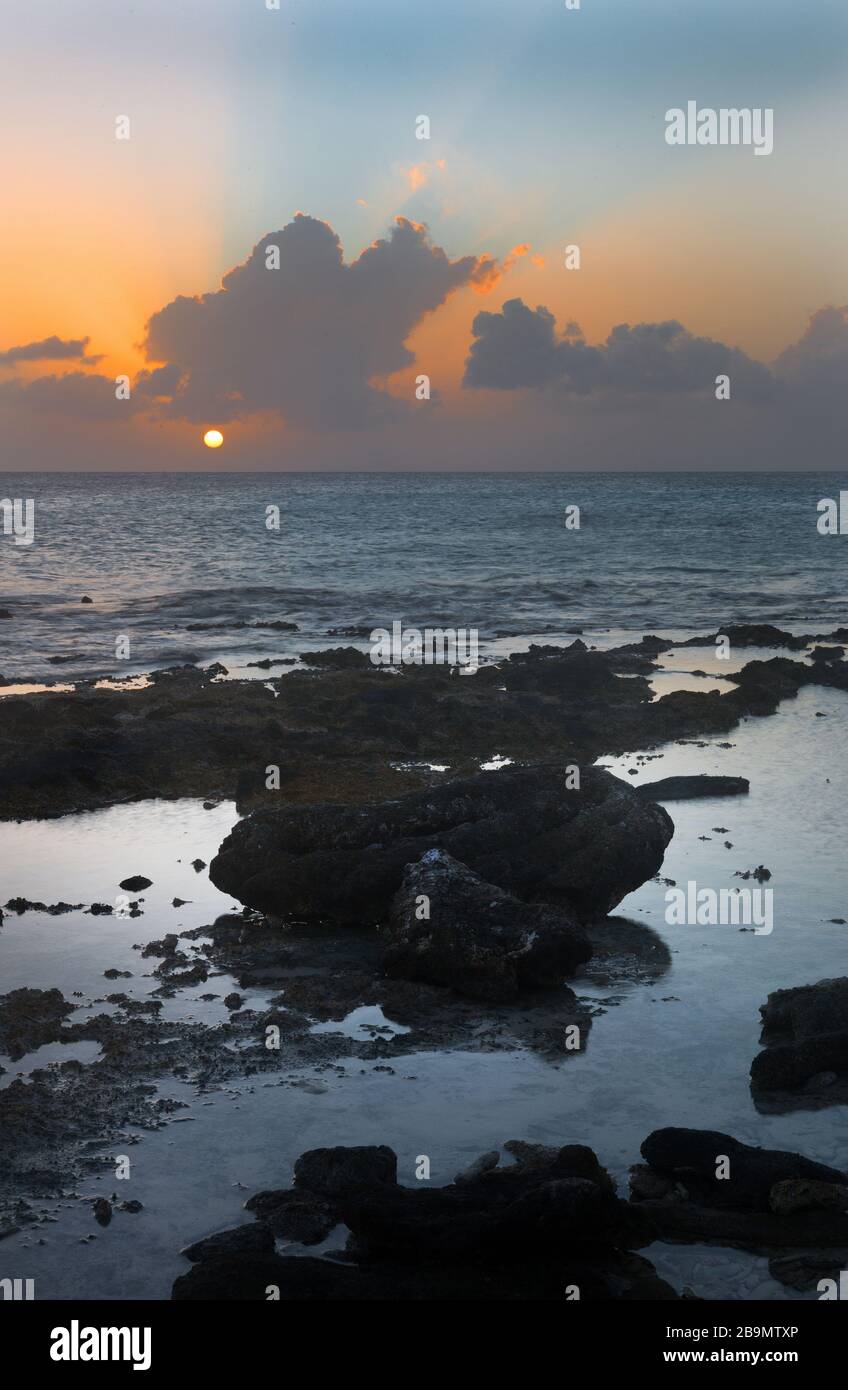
157 552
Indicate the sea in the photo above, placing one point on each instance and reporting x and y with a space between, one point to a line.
342 554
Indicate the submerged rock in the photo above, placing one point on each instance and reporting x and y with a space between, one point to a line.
522 829
474 937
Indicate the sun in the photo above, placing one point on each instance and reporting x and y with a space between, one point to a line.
213 439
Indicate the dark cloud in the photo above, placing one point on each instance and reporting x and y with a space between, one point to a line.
307 339
48 349
76 395
162 381
520 347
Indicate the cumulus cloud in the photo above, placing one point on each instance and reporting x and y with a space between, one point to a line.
306 337
521 347
48 349
818 362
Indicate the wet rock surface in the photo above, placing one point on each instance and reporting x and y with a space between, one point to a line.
522 829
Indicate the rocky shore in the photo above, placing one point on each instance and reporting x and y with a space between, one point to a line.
378 865
547 1225
353 733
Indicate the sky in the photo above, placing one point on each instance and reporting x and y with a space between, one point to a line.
272 252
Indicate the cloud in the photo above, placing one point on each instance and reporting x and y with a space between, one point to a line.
161 382
490 272
52 349
818 362
520 347
305 339
76 395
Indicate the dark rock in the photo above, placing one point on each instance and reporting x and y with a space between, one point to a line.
29 1018
803 1269
85 599
760 874
339 658
806 1032
252 1239
179 902
504 1211
476 938
294 1215
135 883
198 864
612 1275
749 1230
802 1194
21 905
687 788
526 1232
342 1172
806 1011
233 1001
520 828
691 1156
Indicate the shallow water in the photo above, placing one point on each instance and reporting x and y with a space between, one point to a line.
674 1052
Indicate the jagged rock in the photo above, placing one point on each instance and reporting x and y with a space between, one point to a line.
522 829
476 938
687 788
